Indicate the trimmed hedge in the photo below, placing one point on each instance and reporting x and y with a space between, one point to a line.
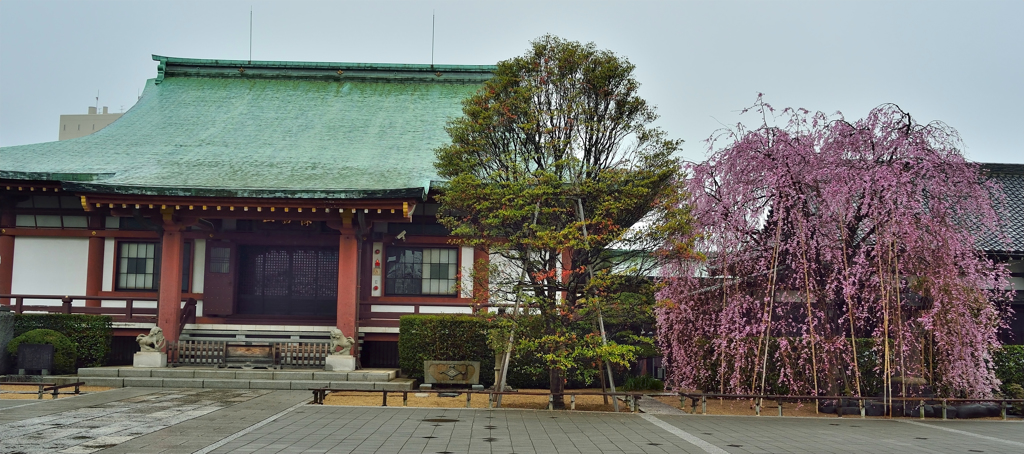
642 383
444 338
1009 363
64 351
91 334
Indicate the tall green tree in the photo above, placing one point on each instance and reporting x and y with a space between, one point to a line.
559 132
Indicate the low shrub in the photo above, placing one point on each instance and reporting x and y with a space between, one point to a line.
1015 391
91 334
1009 364
444 338
643 383
64 351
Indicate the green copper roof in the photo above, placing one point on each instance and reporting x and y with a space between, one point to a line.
265 129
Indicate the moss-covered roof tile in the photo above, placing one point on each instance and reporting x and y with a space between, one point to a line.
207 128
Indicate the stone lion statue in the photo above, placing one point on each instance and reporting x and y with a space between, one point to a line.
152 342
340 345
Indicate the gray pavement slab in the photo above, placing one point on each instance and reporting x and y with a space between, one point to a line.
163 420
650 405
94 422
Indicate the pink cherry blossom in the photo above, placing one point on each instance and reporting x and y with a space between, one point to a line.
823 229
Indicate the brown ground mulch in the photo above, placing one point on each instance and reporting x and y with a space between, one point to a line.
431 400
34 390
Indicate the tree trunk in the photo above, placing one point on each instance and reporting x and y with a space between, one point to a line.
557 383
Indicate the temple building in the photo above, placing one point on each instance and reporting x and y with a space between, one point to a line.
266 198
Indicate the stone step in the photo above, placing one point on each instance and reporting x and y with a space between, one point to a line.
398 384
362 375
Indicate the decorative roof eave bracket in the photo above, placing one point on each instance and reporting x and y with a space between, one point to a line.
199 206
161 68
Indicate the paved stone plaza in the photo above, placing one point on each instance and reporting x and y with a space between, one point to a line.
161 420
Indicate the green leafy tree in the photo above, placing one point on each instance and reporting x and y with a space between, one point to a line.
558 133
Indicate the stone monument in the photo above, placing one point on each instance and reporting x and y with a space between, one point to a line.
152 345
341 358
35 357
6 334
451 372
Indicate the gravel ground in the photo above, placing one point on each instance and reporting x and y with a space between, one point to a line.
431 400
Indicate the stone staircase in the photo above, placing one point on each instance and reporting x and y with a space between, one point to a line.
210 377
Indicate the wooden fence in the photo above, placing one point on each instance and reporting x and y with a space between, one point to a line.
701 399
213 353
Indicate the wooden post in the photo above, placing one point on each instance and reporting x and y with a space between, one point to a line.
6 252
348 284
169 305
94 267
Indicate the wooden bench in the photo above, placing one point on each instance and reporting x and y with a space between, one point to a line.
319 394
42 387
55 389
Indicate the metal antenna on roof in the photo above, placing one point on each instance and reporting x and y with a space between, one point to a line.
97 100
432 38
250 34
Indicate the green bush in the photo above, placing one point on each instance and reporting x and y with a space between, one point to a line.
91 334
1015 391
643 383
444 338
64 351
1009 363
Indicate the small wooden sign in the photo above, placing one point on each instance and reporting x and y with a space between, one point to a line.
249 356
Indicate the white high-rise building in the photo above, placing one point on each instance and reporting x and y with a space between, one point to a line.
72 126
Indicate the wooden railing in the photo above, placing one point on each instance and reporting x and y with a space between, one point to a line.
758 400
367 317
214 353
128 313
632 399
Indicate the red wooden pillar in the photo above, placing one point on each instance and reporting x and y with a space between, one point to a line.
169 305
94 272
348 284
6 252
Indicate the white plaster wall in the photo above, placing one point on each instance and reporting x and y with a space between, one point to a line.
467 272
502 272
445 310
392 308
108 264
199 272
50 266
198 266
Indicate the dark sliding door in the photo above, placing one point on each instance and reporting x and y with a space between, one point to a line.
288 280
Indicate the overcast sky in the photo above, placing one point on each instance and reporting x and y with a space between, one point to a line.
700 62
